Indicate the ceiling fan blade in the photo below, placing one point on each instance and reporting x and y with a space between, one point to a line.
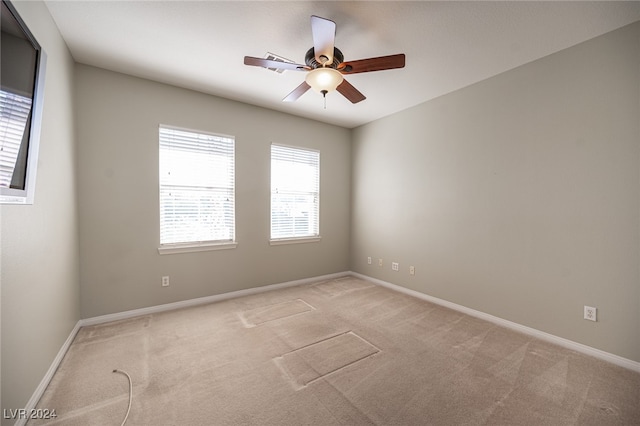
350 92
268 63
324 36
373 64
297 92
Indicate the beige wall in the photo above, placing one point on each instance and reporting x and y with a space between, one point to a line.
517 196
39 280
117 130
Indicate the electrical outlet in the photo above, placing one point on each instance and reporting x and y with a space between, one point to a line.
395 266
165 281
369 260
590 313
380 263
412 270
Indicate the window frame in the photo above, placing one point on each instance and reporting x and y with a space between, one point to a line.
195 246
293 239
27 161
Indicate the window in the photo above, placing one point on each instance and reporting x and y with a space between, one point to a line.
197 203
295 194
21 105
14 116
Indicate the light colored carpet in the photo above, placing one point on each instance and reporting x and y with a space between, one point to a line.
340 352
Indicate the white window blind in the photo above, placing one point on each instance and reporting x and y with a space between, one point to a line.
295 192
197 187
14 115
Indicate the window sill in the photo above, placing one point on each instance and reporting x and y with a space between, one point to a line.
300 240
194 247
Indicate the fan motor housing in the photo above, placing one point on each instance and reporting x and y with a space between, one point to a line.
310 59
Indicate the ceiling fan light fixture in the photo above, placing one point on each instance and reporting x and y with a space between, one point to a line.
324 65
324 80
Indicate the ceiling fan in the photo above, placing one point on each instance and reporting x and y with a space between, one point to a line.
325 65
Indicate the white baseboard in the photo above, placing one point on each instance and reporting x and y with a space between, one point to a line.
560 341
204 300
578 347
33 401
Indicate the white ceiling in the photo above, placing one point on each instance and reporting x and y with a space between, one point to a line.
448 45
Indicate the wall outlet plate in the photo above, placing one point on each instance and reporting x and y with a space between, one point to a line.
369 260
395 266
165 281
412 270
380 263
590 313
